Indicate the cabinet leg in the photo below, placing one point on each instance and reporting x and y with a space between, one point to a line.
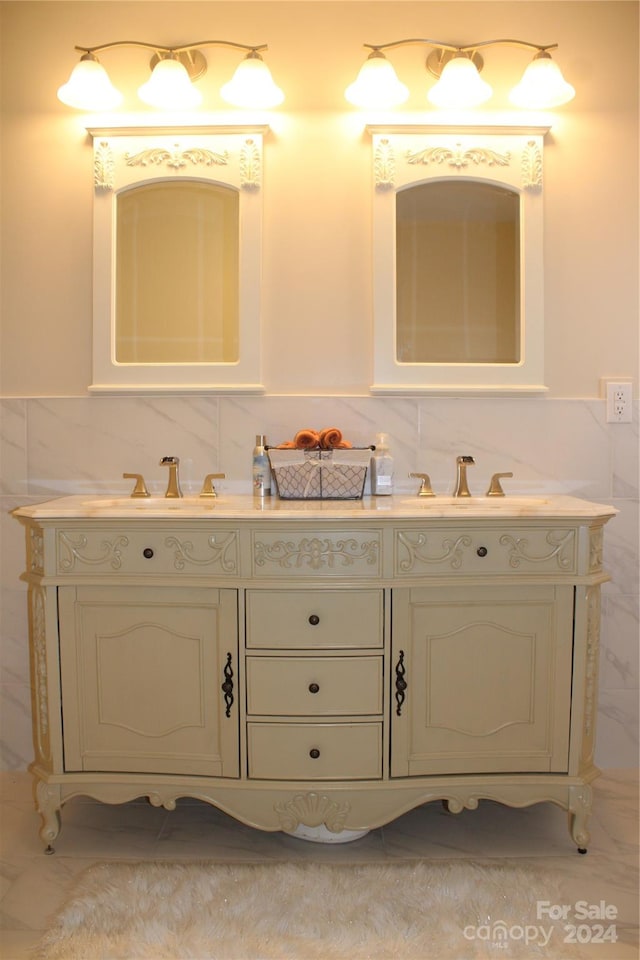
48 805
579 813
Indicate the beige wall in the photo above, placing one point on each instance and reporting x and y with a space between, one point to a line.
317 273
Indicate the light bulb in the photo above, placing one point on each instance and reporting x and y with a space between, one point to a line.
542 85
252 85
89 87
169 87
377 86
460 85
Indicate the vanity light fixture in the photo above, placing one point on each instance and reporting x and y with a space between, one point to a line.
170 85
457 67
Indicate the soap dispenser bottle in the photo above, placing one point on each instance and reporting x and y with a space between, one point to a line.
382 467
261 468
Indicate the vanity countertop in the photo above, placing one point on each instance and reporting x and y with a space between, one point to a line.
245 506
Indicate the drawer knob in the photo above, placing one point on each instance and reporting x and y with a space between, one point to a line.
314 754
482 551
147 552
314 687
314 619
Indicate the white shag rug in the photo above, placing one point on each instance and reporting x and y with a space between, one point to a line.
428 910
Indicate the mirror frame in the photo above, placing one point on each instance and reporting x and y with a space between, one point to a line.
125 157
506 156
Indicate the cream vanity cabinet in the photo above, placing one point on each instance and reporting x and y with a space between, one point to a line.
315 666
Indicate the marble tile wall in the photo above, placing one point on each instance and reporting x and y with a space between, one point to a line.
59 446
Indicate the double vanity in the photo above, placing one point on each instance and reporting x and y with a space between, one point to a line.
316 667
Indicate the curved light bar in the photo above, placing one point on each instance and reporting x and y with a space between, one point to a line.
459 83
170 85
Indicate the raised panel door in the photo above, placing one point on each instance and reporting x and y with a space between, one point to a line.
482 679
142 671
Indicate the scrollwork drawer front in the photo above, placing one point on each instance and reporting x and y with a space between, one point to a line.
314 686
153 550
314 619
318 553
315 751
477 550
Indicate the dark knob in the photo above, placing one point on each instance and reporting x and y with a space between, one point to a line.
314 754
314 619
147 552
314 687
482 551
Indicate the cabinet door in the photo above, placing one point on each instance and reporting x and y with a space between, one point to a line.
142 670
488 679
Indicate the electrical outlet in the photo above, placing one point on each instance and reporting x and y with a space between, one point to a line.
618 402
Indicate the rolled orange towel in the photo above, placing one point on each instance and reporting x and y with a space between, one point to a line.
306 439
330 437
344 445
287 445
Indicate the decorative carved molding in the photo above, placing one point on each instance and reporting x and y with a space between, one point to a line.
36 550
312 809
531 166
560 541
158 799
110 552
591 669
223 553
459 157
316 553
580 801
250 165
384 164
104 167
48 803
596 546
452 551
39 667
176 159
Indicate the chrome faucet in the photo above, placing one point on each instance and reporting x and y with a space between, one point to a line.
173 486
462 490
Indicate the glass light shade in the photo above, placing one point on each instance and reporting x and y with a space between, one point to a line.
89 87
542 85
460 85
252 85
376 86
169 87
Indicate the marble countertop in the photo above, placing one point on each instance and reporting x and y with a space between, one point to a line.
245 506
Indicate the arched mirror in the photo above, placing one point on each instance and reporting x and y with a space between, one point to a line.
457 273
177 248
458 285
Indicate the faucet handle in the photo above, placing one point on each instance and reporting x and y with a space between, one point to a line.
140 489
495 487
425 487
208 489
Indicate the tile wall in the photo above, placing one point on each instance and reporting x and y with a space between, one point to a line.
54 447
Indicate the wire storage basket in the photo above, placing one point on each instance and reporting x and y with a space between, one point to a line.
320 474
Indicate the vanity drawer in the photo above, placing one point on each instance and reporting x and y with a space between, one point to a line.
312 619
114 551
314 686
482 550
315 751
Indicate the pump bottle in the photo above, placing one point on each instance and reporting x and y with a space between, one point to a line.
261 468
382 467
